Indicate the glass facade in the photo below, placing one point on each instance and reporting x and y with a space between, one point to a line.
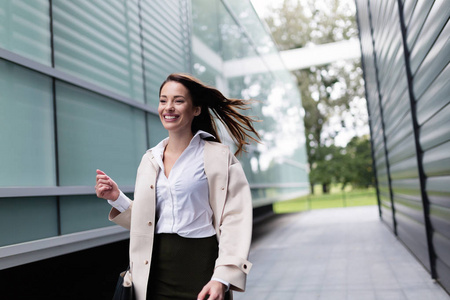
80 84
232 51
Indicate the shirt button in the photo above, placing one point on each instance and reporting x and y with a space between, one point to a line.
145 262
149 223
245 267
223 188
151 186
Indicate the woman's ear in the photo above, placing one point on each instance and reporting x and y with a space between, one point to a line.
198 111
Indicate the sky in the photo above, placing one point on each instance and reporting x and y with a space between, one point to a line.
261 5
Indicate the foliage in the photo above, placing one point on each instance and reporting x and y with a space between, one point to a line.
345 165
330 93
359 160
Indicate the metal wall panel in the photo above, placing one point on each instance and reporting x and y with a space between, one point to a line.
406 53
372 98
398 129
99 42
165 32
25 29
430 56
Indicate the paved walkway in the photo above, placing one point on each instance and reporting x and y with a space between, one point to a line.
334 254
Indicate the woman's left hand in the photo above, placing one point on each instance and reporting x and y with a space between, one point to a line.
214 289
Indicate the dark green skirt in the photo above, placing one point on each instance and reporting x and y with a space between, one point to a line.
181 267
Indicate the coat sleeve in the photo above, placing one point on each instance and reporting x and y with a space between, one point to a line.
235 230
124 218
121 218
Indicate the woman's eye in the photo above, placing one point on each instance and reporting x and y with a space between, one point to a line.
162 101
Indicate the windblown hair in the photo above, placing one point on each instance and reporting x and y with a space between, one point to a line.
214 103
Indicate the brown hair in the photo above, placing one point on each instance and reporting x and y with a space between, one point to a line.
214 103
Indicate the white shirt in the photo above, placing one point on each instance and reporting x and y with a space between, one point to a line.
182 199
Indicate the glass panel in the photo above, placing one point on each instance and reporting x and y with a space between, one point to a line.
99 41
249 19
166 43
231 34
207 58
79 213
25 29
27 149
205 24
96 132
156 130
233 65
27 219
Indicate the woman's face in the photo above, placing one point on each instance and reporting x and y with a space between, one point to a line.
176 110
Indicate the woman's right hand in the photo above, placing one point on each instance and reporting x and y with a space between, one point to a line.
105 187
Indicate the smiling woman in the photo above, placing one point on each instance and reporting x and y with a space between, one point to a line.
213 104
176 109
191 199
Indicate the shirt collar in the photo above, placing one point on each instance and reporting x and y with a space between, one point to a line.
203 135
158 150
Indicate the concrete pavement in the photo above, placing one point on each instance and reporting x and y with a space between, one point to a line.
334 254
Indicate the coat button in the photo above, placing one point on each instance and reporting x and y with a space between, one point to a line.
245 267
151 186
149 223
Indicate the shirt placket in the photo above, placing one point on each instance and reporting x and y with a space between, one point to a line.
172 204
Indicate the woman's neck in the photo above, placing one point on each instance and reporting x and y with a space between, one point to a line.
178 142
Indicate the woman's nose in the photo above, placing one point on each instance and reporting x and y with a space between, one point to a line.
170 106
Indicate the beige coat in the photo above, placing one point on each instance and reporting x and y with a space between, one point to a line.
230 200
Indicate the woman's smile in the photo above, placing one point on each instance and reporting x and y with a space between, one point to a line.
176 109
170 118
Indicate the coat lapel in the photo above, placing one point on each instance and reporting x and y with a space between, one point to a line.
216 170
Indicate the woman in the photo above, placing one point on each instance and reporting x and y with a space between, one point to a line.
191 219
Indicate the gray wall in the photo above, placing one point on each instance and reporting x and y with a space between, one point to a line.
405 53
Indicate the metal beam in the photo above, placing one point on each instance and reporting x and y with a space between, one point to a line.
307 57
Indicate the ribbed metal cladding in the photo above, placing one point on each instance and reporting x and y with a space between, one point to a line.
428 35
165 33
406 52
20 18
376 117
99 41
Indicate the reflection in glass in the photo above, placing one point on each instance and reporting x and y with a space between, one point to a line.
233 52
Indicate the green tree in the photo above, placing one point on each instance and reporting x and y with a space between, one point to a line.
359 157
327 91
346 165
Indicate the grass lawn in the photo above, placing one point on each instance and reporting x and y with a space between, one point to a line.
336 198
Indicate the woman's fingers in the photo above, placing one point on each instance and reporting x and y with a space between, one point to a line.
105 187
214 289
99 177
104 181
